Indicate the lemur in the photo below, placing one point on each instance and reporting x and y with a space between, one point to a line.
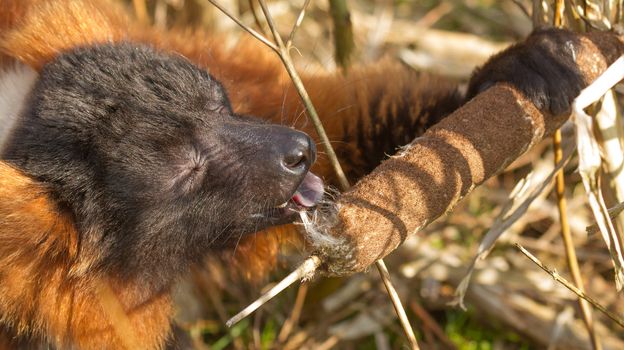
129 154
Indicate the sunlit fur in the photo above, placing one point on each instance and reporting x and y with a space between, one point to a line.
43 294
44 290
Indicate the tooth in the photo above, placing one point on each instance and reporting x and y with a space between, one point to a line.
282 205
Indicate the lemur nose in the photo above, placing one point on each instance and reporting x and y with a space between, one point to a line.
297 152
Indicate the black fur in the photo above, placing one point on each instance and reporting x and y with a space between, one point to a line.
391 126
543 67
143 149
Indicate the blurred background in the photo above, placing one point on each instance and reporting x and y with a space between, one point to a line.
510 303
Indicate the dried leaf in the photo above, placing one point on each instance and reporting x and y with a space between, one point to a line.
590 162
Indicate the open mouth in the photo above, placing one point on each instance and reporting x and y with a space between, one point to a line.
307 195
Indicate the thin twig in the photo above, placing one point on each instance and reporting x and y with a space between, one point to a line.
254 13
297 24
304 270
555 275
244 26
396 302
292 72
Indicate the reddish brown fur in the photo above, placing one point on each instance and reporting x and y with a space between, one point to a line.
43 287
50 27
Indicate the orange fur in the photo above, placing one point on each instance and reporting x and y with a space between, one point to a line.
51 27
45 286
41 292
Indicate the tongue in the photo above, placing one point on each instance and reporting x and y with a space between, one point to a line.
309 192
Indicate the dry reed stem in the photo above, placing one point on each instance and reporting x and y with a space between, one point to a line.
396 303
566 234
568 243
555 275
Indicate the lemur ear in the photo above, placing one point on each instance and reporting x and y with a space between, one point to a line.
40 31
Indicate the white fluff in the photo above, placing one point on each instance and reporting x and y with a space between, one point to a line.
16 82
318 223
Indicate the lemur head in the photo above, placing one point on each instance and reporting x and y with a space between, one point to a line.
144 150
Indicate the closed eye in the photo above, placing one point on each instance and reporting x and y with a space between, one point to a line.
220 108
190 171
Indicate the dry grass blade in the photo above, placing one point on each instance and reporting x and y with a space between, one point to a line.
521 197
590 162
304 271
555 275
611 135
613 213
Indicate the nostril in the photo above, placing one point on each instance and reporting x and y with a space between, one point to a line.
295 159
296 151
